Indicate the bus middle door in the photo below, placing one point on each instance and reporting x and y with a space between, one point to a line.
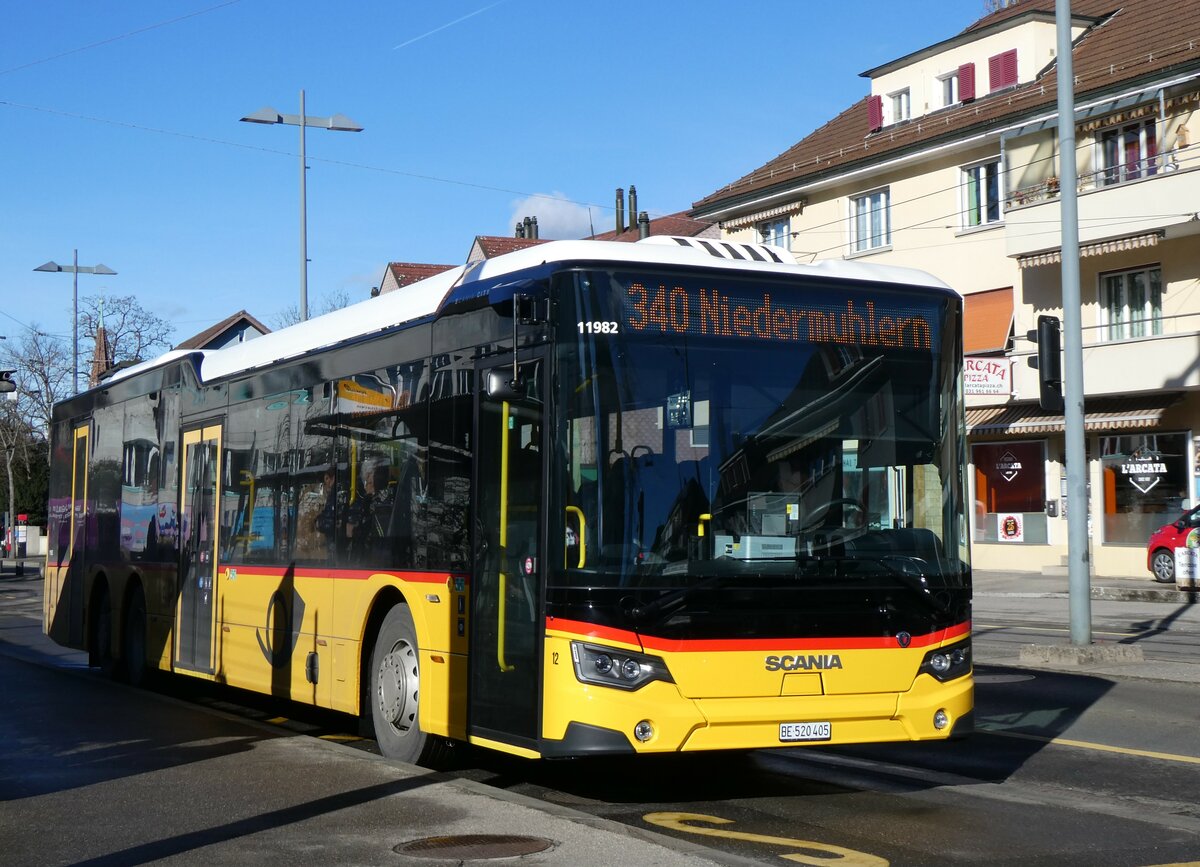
506 592
195 625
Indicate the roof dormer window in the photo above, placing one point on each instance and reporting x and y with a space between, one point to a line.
949 83
901 105
1002 70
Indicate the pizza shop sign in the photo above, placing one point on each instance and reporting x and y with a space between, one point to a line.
987 375
1144 473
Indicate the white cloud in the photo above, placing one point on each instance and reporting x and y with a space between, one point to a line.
559 219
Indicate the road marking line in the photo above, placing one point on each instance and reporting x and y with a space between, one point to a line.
341 738
989 627
1087 745
823 853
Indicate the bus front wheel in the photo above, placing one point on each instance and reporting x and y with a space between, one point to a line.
394 692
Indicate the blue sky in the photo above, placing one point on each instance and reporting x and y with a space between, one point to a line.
120 133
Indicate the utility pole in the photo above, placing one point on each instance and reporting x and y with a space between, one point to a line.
1079 582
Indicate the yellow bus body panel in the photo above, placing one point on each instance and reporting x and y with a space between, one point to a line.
740 704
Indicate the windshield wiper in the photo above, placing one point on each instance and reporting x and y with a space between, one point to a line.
672 600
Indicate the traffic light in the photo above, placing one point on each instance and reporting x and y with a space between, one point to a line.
6 381
1048 363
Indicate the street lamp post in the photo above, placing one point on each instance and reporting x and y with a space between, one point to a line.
76 269
336 122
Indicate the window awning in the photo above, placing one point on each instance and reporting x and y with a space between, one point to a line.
987 321
1100 248
762 216
1099 414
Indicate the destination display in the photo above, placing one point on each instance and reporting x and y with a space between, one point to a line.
765 314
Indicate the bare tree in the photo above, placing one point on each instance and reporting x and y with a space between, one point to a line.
133 332
42 366
290 315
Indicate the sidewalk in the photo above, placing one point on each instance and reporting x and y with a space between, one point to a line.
1104 657
11 567
1033 584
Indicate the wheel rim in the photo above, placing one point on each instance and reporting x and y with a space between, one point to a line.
1164 567
397 694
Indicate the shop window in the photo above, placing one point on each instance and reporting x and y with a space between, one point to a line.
1145 484
1010 492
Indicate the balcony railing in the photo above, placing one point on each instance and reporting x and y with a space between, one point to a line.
1164 163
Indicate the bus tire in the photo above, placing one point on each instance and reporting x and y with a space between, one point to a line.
102 636
392 694
133 640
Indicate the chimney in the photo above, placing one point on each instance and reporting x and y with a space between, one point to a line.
620 210
632 205
528 221
519 232
643 225
533 227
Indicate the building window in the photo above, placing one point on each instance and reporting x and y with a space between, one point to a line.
901 105
870 221
1010 492
949 88
1002 70
981 194
777 233
1145 484
1128 152
1132 303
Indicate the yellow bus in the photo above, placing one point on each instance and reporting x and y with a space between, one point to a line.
585 498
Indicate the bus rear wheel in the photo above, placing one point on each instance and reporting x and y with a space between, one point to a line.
133 640
102 636
394 693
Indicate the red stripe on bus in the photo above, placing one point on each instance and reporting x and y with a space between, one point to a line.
671 645
342 574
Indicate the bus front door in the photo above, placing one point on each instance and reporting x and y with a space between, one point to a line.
506 592
195 624
70 591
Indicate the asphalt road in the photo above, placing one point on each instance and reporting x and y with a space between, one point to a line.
1066 769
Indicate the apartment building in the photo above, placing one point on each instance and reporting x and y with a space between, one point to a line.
950 164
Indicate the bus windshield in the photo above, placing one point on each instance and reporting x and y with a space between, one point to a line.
719 431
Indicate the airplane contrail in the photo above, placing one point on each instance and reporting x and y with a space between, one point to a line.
450 24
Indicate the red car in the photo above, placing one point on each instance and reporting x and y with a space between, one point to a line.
1160 550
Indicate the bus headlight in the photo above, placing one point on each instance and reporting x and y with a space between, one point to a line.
620 668
947 663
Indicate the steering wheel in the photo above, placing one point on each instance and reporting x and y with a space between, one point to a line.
818 514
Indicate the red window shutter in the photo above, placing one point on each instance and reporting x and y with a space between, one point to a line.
874 112
1002 70
966 82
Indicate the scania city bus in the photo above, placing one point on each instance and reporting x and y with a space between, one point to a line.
585 498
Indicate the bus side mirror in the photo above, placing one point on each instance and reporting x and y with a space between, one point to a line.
501 386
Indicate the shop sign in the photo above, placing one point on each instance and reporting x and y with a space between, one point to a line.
1008 466
987 375
1010 527
1144 470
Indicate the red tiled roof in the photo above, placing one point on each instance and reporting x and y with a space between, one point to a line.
405 273
1136 40
498 245
672 224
